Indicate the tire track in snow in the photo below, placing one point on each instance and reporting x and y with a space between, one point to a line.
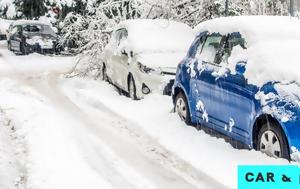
112 145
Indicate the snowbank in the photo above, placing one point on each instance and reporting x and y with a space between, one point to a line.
12 65
213 157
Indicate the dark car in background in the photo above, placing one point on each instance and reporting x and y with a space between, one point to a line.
24 37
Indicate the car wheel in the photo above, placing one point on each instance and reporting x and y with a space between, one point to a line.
104 74
22 49
9 46
132 88
272 141
182 108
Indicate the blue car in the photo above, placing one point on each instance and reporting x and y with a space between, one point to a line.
240 78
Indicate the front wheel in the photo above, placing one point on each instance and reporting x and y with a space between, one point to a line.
182 108
104 74
23 49
272 141
132 88
9 46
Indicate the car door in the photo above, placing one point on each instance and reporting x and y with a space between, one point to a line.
227 98
207 105
236 95
122 60
16 38
117 59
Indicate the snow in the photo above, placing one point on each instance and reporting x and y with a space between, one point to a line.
4 24
157 35
165 60
10 169
11 10
265 37
80 133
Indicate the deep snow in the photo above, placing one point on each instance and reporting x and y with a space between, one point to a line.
80 133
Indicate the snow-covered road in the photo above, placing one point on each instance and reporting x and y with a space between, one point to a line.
80 133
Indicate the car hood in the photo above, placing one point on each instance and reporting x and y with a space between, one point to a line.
166 61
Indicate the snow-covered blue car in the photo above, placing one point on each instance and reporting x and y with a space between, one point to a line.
241 78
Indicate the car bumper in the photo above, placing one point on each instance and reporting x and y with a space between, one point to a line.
155 83
38 49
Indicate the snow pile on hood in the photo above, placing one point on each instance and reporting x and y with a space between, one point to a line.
157 35
276 60
159 60
272 43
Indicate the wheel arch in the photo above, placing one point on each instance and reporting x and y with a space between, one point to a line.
177 90
260 121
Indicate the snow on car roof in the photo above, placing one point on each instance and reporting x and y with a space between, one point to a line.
254 28
157 35
23 22
273 44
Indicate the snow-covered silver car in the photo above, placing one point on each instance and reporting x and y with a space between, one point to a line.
24 37
142 55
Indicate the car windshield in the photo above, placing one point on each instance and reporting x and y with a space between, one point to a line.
38 28
32 28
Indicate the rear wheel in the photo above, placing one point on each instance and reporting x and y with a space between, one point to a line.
182 108
272 141
132 88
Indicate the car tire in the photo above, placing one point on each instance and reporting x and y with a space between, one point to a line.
272 141
9 46
132 88
104 74
22 49
182 108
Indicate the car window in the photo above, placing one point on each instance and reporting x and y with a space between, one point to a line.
121 35
233 40
32 28
218 48
209 51
14 30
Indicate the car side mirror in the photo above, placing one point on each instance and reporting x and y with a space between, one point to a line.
240 67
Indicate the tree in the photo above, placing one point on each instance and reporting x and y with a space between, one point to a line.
31 9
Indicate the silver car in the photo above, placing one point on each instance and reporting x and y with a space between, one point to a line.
142 55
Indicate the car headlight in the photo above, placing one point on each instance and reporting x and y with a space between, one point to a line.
144 68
